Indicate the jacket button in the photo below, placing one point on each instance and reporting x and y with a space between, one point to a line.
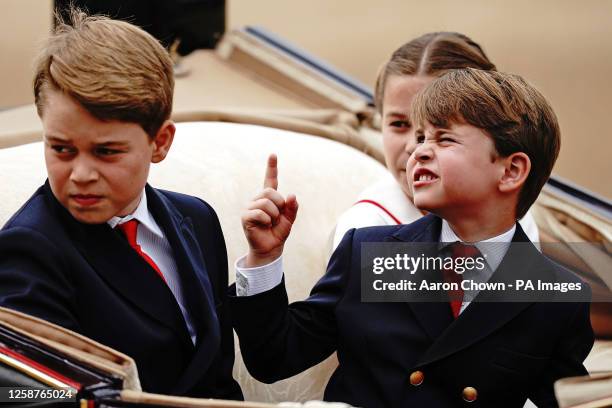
416 378
469 394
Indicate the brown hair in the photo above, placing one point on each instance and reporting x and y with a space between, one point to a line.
114 69
512 112
432 54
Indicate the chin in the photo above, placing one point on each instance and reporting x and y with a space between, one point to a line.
421 202
90 217
427 205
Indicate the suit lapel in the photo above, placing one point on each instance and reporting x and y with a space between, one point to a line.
122 268
196 284
483 317
434 317
125 271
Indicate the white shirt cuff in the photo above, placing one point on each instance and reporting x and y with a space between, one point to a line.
252 281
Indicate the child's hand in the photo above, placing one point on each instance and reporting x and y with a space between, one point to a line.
268 219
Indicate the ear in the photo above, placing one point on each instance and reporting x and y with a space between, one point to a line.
516 170
163 141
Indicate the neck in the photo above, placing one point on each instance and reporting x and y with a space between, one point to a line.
476 225
477 222
131 207
475 231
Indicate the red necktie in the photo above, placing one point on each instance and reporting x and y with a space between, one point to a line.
458 250
129 229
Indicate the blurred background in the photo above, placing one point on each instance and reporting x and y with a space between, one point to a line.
563 47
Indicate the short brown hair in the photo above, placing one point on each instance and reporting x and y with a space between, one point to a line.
512 112
432 54
114 69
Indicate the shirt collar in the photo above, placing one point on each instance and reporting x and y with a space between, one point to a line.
142 215
493 249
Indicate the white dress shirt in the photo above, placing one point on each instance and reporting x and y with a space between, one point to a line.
493 250
153 242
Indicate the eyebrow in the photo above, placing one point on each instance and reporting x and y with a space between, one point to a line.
434 135
438 131
113 143
57 139
396 114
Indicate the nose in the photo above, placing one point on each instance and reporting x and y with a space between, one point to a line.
422 152
83 171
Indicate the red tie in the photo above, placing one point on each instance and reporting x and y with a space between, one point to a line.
458 250
129 229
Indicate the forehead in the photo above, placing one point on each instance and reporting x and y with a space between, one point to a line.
450 124
439 122
400 90
462 130
63 117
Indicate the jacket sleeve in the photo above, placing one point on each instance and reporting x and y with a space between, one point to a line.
568 357
34 277
278 340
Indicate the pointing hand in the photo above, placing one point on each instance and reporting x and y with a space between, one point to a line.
268 219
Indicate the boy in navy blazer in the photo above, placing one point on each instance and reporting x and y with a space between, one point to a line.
96 249
486 143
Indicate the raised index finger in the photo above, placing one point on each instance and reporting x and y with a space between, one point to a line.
271 179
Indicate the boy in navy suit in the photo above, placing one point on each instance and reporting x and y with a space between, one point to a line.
96 249
486 144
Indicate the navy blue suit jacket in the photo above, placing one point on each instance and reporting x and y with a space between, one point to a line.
508 352
88 279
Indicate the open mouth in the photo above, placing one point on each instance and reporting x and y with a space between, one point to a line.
423 177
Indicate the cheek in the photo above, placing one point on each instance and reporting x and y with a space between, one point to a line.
57 170
410 141
455 173
393 145
410 164
142 169
127 176
48 159
462 174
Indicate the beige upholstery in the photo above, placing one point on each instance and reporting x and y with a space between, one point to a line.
585 392
224 164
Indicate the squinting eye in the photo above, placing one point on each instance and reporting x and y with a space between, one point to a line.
62 149
446 139
103 151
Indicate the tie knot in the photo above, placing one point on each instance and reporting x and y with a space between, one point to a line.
129 229
461 250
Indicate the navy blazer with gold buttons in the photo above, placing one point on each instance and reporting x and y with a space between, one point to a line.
88 279
415 354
